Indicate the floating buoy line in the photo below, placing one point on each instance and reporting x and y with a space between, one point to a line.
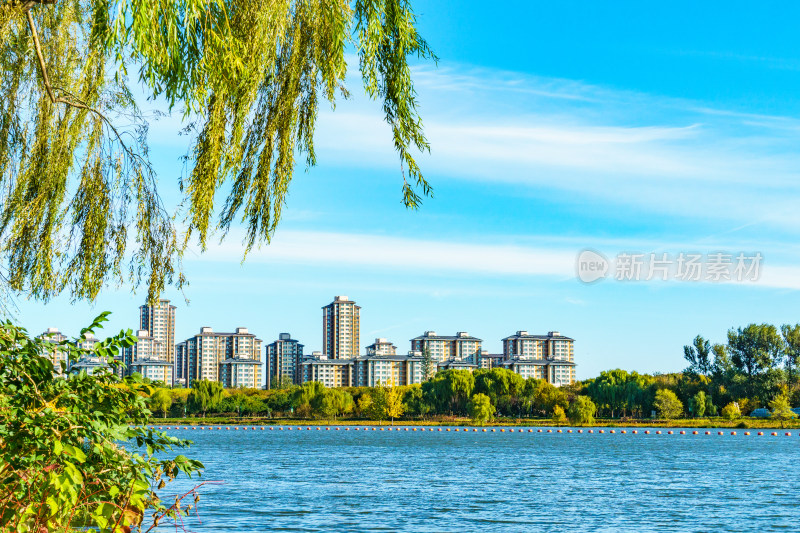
461 429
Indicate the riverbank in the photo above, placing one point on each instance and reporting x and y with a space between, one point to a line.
741 423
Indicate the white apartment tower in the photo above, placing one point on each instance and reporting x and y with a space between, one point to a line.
159 320
340 328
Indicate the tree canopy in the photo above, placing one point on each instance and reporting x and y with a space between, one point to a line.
80 205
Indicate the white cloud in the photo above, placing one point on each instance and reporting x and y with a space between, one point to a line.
541 257
665 155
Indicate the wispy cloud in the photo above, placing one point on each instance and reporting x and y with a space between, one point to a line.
544 258
630 149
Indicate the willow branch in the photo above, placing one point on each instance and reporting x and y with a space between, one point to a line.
74 102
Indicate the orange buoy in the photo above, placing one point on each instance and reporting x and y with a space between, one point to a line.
694 433
580 431
448 429
733 433
530 431
658 432
646 431
747 433
476 429
634 432
502 431
558 431
591 431
549 430
760 433
569 431
788 434
708 433
623 431
611 431
540 431
493 430
601 431
774 434
683 432
669 432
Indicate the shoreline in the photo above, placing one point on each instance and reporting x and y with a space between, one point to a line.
742 423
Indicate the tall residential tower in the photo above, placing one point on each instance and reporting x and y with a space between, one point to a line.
159 321
340 328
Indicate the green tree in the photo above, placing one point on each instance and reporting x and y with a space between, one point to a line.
206 395
284 383
755 348
161 400
376 410
781 410
394 402
364 404
62 467
582 410
428 364
558 415
480 408
711 409
698 354
332 403
247 76
698 404
791 339
731 411
667 404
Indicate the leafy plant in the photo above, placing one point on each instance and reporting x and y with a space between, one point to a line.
76 452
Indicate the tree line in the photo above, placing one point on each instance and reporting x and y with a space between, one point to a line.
756 367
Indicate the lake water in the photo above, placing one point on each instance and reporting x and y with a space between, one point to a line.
351 480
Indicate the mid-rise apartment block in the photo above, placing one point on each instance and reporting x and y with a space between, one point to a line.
329 372
381 346
443 348
233 359
550 357
148 358
364 371
283 360
159 320
340 328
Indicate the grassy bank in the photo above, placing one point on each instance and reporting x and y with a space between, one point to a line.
755 423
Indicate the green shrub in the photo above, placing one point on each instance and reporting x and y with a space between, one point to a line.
63 465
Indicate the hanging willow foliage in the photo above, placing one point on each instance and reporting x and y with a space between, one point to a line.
248 76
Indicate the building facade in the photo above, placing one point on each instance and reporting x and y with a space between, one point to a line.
148 358
283 360
381 347
329 372
57 355
159 321
364 371
340 328
230 358
442 348
550 357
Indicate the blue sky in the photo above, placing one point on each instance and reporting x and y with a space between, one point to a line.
554 127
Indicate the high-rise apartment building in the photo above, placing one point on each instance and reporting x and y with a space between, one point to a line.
233 359
57 355
550 357
462 347
340 328
283 360
159 321
381 347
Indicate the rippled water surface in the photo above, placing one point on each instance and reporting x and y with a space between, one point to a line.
351 480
